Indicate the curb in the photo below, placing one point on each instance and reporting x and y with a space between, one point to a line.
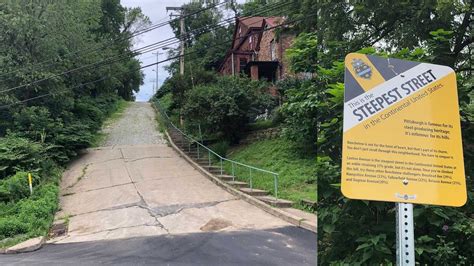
29 245
293 219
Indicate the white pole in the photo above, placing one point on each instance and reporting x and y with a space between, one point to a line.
405 235
157 82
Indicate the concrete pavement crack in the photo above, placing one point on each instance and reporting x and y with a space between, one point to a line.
84 170
143 204
124 206
105 161
177 208
95 189
148 157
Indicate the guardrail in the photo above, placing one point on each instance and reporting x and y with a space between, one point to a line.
200 147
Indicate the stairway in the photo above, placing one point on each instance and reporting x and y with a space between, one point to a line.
202 159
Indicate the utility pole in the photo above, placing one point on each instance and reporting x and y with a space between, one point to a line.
182 32
157 85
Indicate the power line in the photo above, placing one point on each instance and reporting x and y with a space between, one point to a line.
145 49
226 42
175 57
114 42
51 94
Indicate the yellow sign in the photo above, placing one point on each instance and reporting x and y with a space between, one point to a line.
402 134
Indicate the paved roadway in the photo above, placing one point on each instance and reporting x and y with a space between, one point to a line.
135 201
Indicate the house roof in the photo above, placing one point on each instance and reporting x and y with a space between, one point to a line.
274 21
251 22
246 25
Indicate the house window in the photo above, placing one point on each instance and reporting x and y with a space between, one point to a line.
273 53
242 64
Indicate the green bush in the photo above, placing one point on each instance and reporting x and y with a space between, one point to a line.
179 85
31 216
226 106
14 188
20 154
166 102
68 132
221 148
11 226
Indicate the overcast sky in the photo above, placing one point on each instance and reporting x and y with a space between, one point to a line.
156 11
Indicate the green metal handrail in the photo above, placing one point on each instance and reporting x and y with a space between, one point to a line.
233 163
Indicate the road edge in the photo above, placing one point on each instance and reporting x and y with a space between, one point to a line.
293 219
28 245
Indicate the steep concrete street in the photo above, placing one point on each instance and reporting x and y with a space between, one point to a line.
135 201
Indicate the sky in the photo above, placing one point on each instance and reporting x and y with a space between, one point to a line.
156 11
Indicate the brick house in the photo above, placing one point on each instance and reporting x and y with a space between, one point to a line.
257 52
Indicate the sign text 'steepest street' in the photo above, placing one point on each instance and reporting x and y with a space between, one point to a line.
402 134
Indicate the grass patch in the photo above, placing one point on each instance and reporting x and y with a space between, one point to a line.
116 113
297 178
29 217
263 124
160 123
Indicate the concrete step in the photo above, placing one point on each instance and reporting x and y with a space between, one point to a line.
254 192
201 161
238 184
216 171
194 153
195 156
181 145
226 177
279 203
212 168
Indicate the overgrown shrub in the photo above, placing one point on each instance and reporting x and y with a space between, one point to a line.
226 106
31 215
20 154
14 188
178 85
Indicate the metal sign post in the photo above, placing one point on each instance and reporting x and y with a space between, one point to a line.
405 234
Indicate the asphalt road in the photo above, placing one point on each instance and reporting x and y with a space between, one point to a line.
282 246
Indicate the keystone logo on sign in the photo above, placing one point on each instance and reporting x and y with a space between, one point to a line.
361 69
402 133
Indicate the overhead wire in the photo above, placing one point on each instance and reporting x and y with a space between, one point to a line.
114 42
172 58
141 50
51 93
152 64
